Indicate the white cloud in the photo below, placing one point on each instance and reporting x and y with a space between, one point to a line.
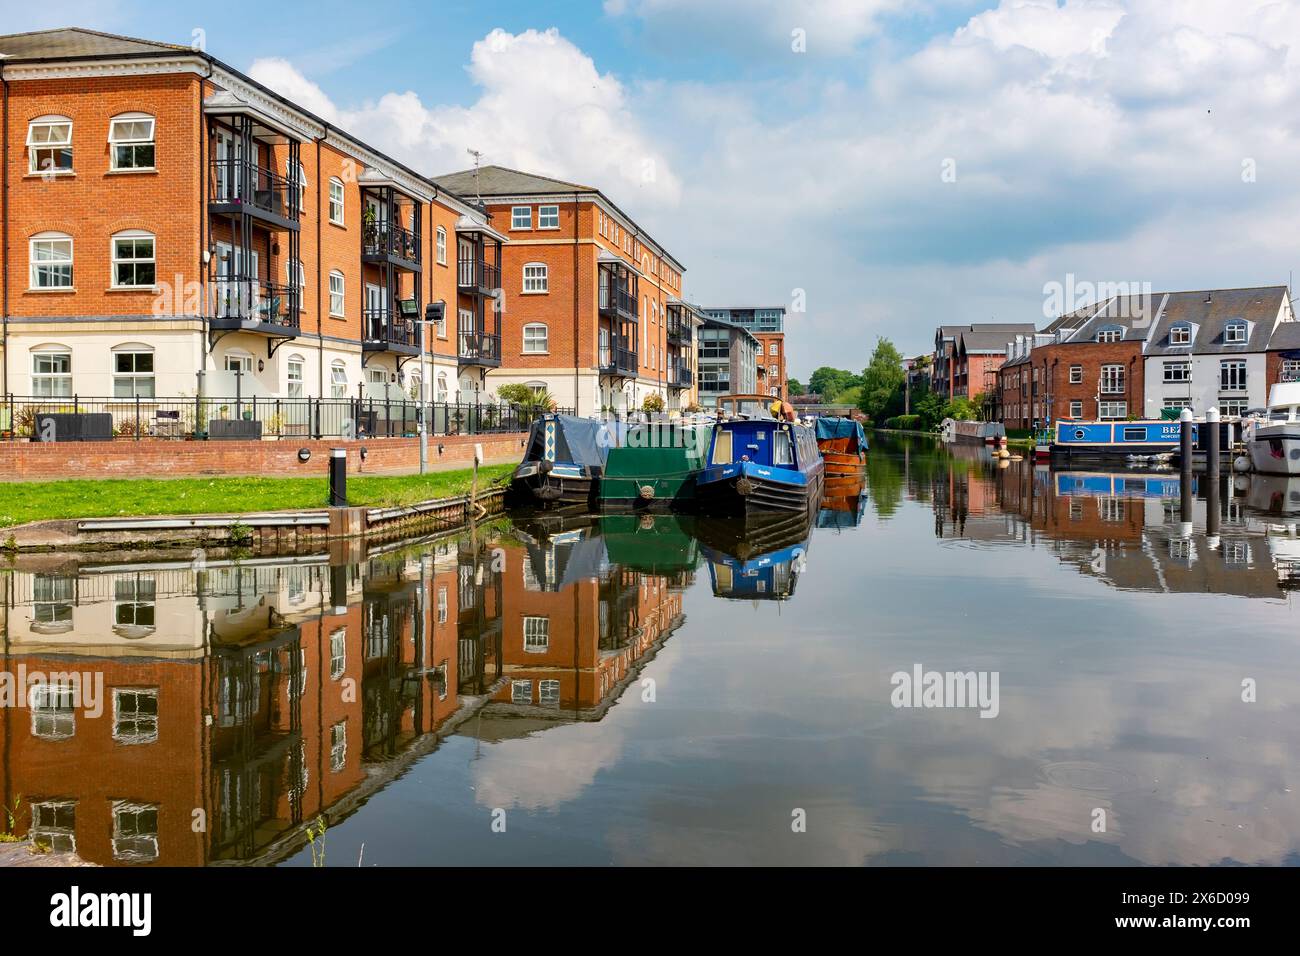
544 107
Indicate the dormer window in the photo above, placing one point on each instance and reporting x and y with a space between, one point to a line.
1180 334
1110 333
1234 333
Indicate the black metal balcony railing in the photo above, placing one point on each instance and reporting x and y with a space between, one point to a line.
615 298
243 183
479 348
478 275
679 332
618 358
388 327
386 239
680 378
243 298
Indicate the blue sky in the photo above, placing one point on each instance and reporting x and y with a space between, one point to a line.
915 162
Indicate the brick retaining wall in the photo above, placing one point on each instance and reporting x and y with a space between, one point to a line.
155 458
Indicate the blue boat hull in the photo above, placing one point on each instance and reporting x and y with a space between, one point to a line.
744 488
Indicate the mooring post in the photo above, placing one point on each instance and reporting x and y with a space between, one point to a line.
338 477
1185 446
1212 468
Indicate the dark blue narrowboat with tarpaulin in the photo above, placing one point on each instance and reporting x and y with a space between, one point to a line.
758 464
563 462
1113 441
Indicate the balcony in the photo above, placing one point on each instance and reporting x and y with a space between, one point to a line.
680 378
679 332
252 305
240 187
478 277
618 358
383 242
387 330
617 302
478 348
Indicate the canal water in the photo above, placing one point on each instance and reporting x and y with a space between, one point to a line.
663 691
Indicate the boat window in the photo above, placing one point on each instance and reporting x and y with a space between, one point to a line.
1135 434
782 453
722 447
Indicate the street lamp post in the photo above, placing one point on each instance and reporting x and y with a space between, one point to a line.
434 313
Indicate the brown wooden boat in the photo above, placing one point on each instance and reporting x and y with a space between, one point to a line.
843 446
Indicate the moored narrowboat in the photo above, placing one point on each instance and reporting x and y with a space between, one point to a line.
762 563
654 468
843 445
563 462
1076 442
759 465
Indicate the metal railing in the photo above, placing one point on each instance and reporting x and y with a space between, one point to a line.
483 348
386 239
389 327
680 377
182 418
478 275
242 182
241 297
618 357
615 298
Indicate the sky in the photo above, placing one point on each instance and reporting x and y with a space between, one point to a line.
879 167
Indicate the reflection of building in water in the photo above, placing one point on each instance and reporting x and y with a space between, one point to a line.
569 642
238 701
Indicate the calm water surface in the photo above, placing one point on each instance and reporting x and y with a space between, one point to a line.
660 690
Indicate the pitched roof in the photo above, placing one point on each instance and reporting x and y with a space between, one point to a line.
1209 312
502 181
1285 336
76 42
993 336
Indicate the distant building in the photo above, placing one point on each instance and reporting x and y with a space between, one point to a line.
967 357
768 327
727 361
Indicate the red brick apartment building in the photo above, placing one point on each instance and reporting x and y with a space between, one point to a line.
165 215
967 357
592 304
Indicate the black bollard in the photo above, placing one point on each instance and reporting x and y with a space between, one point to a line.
1185 445
1212 467
338 477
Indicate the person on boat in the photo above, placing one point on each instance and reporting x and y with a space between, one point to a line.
783 411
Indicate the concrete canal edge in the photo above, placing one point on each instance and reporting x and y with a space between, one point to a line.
262 533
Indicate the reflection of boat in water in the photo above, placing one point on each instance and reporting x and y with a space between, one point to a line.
843 511
650 544
843 445
562 464
754 536
1273 494
654 468
1123 484
769 575
1274 447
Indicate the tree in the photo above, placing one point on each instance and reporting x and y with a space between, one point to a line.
929 407
961 409
829 382
794 387
882 382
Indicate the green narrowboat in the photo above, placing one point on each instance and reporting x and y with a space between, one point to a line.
654 468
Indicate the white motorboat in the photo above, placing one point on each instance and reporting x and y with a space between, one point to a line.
1274 445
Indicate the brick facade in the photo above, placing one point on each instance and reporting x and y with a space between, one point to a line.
1039 388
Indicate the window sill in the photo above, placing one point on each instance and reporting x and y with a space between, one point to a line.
541 292
337 225
335 315
142 171
70 174
68 290
138 289
534 353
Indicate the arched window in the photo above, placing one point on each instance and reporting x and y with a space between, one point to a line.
49 145
442 246
536 339
133 371
1180 333
1110 333
50 255
294 367
52 371
134 266
336 201
131 141
338 379
536 279
442 386
1235 332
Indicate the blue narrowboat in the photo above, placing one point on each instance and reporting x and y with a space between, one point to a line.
563 462
759 465
1112 441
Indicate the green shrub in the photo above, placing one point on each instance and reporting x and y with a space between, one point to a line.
904 422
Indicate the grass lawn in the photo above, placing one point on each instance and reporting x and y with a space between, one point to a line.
21 502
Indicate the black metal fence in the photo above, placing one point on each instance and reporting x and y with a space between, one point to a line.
28 418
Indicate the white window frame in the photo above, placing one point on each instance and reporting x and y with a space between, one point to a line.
548 693
545 213
338 652
302 181
56 379
1232 372
538 281
133 236
1112 411
537 634
1112 379
338 382
1076 409
302 280
1076 374
50 239
1236 333
51 720
337 201
441 237
134 377
49 833
1171 369
516 697
144 726
1180 334
529 346
338 746
34 146
131 142
295 380
134 847
514 217
1110 334
339 295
